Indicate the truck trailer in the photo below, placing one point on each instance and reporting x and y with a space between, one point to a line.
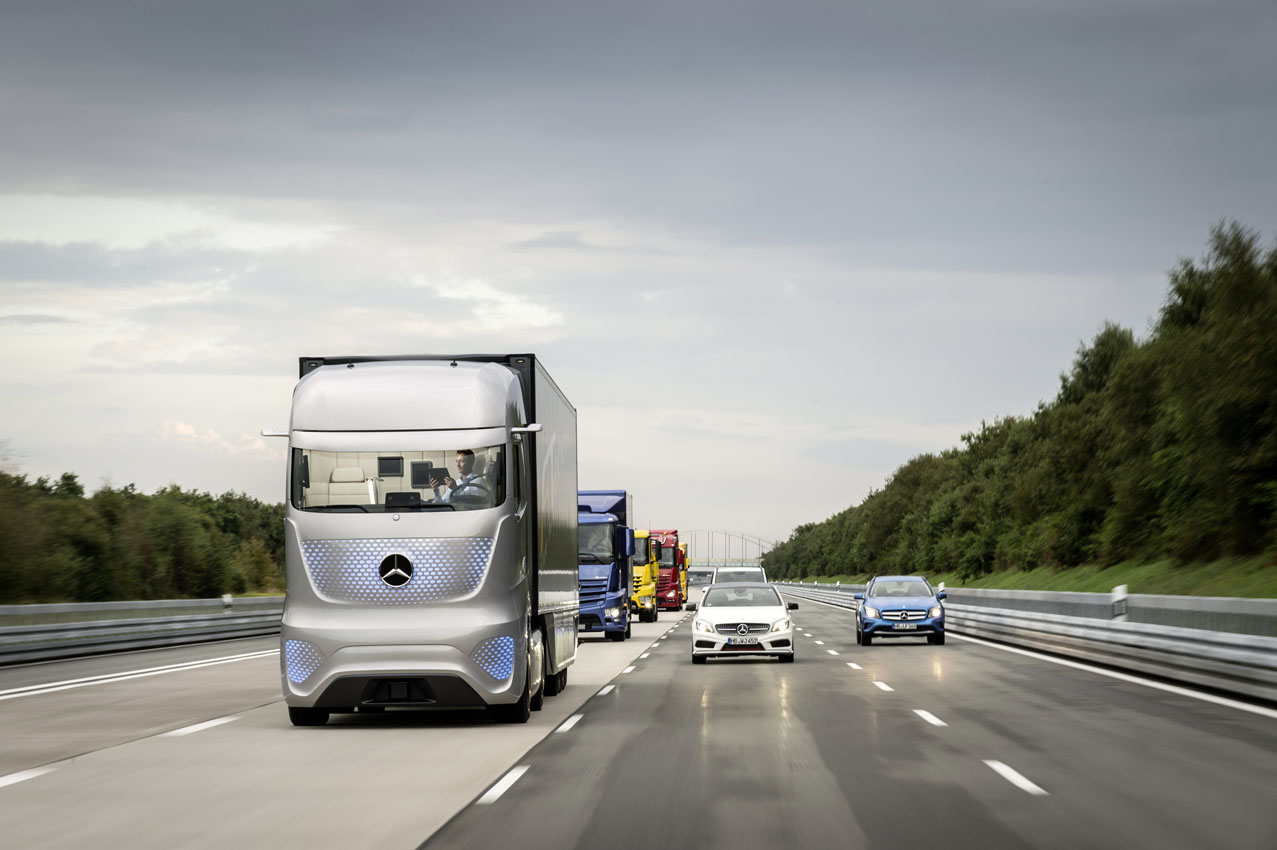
606 546
430 536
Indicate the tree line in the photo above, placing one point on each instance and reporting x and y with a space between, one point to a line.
1153 449
58 544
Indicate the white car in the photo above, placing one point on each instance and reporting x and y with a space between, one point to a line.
742 619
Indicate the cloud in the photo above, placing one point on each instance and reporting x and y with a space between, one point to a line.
34 319
494 309
96 265
181 432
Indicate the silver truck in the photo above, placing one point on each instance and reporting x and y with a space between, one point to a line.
431 536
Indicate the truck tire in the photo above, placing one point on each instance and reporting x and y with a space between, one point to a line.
554 683
618 635
627 631
307 716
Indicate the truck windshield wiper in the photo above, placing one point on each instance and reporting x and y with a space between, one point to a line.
339 508
581 556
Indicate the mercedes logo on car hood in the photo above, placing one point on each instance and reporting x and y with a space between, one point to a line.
395 570
742 629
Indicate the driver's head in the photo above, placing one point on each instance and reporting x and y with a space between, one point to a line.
465 461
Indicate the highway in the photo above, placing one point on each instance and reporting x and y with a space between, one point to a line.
899 745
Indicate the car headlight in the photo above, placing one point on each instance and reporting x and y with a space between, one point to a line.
702 626
935 612
870 611
781 625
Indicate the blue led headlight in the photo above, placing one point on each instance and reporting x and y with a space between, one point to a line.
301 660
495 657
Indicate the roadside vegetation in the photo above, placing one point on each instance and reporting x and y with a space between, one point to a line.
58 544
1155 465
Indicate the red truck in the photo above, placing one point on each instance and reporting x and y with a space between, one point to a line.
669 585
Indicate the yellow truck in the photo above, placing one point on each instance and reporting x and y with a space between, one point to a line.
643 600
683 567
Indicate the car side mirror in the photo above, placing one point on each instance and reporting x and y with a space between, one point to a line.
793 606
859 596
942 595
691 606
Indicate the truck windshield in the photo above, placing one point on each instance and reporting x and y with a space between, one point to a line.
394 482
667 556
595 543
640 552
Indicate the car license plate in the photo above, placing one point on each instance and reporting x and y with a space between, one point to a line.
741 641
905 626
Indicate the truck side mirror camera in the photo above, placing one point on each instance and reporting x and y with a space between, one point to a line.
691 606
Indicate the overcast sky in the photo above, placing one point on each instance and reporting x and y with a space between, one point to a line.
770 250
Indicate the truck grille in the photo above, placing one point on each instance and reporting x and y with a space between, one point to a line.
731 628
904 615
592 591
444 568
638 583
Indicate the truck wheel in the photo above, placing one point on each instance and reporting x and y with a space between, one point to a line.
617 635
554 683
307 716
627 631
537 701
656 613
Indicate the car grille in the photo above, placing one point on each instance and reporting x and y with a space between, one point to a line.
754 628
904 615
592 591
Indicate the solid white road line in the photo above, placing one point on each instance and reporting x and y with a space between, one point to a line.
200 727
51 687
1015 778
495 792
929 717
628 669
832 651
570 722
820 643
23 776
1126 677
883 686
605 690
854 666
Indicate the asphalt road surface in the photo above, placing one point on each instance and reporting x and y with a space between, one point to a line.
898 745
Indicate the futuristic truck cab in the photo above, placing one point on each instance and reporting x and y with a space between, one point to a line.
431 536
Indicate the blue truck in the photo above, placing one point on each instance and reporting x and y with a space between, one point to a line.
606 544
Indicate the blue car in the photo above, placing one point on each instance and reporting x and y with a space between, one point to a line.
899 606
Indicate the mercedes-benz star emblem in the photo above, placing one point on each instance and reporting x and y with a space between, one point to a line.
742 629
395 570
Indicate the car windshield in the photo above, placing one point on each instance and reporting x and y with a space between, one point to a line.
396 481
725 576
640 551
743 597
901 587
594 544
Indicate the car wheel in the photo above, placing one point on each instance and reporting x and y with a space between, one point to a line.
698 659
936 640
866 639
857 635
787 659
307 716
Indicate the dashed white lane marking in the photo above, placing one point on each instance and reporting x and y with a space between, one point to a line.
854 666
570 722
883 686
1112 674
607 689
23 776
929 717
628 669
820 643
806 635
200 727
832 651
50 687
502 786
1015 778
645 655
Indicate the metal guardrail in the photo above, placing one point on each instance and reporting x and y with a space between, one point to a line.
47 632
1240 663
